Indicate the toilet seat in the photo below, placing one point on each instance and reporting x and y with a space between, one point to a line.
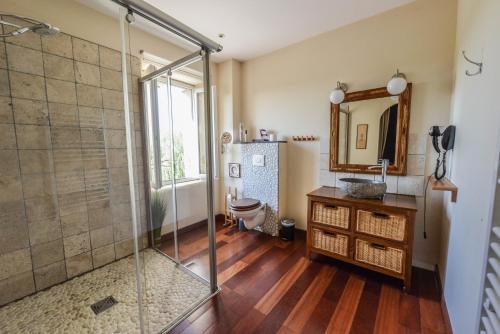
245 204
251 211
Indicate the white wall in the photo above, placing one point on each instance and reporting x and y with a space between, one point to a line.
476 113
191 204
287 92
229 112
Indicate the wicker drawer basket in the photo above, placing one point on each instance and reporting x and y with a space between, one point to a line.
388 258
331 242
381 225
328 214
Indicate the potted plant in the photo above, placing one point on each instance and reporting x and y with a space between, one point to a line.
158 212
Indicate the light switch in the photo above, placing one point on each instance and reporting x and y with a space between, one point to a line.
258 160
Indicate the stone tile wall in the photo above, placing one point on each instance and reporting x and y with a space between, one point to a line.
64 187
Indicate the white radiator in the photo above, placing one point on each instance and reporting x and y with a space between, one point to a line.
490 317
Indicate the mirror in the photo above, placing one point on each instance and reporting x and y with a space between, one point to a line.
368 126
367 131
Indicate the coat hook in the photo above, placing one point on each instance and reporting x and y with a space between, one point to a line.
480 65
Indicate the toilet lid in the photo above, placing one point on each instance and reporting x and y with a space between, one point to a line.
245 204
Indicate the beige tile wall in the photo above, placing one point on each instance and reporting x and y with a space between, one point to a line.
64 194
411 184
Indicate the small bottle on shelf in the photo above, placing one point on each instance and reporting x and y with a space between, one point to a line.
241 132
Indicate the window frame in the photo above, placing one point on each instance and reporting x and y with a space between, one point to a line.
215 128
156 139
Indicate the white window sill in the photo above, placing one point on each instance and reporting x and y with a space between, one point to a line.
184 184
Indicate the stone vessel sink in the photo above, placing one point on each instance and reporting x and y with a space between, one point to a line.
364 188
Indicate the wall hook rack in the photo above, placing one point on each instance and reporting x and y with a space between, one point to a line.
478 64
304 138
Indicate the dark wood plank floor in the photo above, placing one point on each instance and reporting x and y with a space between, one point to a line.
268 286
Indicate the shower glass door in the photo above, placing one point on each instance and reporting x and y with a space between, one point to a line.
177 198
174 268
190 165
177 163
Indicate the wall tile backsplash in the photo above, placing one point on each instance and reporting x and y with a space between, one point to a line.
417 143
411 185
64 195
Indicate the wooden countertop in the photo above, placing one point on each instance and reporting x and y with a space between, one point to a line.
390 200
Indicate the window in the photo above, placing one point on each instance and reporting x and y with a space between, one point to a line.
180 136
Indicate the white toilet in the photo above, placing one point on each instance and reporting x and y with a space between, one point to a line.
251 211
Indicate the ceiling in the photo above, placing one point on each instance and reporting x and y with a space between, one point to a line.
255 27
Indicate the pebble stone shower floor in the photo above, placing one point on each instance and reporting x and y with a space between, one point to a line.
65 308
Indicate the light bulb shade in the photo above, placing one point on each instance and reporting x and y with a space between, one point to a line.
337 96
397 84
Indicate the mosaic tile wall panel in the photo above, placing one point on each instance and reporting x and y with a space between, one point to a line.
263 182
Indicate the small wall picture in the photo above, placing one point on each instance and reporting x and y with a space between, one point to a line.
361 136
234 169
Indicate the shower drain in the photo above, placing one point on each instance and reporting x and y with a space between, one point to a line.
103 304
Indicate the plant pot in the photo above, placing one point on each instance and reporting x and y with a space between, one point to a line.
157 235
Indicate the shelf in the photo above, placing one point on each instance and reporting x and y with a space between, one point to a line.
262 142
445 185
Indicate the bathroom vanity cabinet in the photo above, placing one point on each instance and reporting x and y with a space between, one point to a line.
373 234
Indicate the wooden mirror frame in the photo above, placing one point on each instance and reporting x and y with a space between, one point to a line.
399 167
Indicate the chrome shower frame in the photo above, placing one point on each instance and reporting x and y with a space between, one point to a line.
154 15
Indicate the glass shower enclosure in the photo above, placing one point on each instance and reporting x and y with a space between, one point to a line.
176 140
103 158
177 154
175 163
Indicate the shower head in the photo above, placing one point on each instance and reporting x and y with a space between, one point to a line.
40 28
44 29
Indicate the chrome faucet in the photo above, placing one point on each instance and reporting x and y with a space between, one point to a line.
382 164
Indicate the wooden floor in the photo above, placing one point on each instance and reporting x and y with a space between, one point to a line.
268 286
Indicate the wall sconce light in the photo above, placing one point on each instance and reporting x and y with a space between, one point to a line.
338 93
397 84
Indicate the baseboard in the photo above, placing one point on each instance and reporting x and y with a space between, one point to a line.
422 265
185 229
444 309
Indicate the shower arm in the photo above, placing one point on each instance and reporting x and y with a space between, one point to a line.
10 24
20 30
